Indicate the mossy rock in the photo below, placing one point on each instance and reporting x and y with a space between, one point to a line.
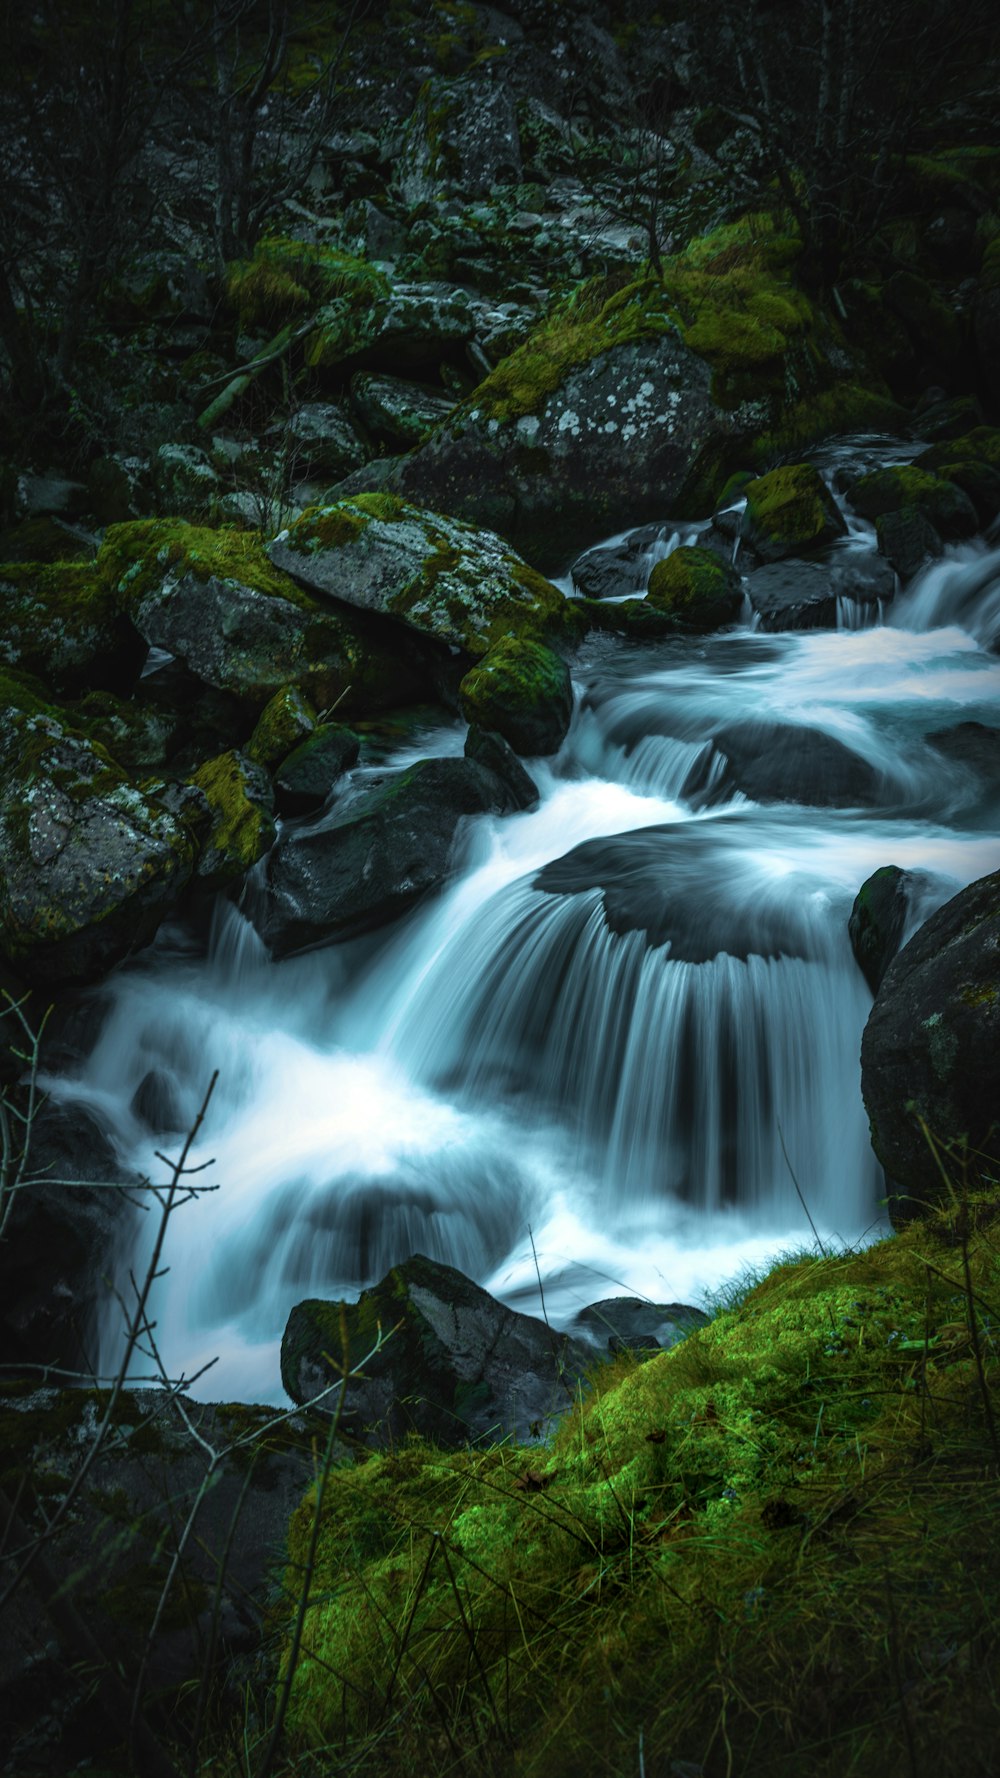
285 721
981 445
62 622
877 920
720 1502
944 505
790 511
89 862
695 588
216 601
241 801
523 691
453 582
980 481
304 779
907 540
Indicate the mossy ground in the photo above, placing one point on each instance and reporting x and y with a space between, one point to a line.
767 1550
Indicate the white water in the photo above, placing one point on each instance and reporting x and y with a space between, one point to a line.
502 1079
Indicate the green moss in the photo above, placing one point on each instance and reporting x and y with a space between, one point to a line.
242 829
901 486
327 527
60 620
286 278
844 408
981 445
521 690
693 585
797 1501
285 721
790 510
135 559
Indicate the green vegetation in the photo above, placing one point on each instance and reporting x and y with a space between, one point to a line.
135 559
281 725
765 1550
694 586
791 510
286 278
242 828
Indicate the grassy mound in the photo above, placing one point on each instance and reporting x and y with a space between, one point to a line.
768 1550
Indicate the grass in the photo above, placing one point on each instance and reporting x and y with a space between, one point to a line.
767 1550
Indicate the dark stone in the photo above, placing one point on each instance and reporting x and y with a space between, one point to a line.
155 1103
877 920
907 540
630 1322
373 856
305 778
611 573
802 595
456 1365
498 756
972 744
930 1054
773 762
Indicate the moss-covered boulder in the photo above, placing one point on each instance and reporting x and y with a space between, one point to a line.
89 862
241 805
284 721
718 1504
907 540
522 690
304 779
62 621
397 412
897 488
456 1366
450 581
930 1055
374 855
695 588
790 511
215 601
980 445
877 921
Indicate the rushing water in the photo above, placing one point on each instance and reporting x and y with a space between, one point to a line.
626 1036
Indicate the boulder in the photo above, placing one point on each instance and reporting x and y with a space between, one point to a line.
772 762
283 723
381 848
498 756
907 540
789 511
185 483
89 862
455 1365
973 744
612 573
447 580
930 1054
241 804
803 595
696 589
304 779
62 621
412 328
877 921
214 601
523 691
898 487
630 1323
399 413
324 441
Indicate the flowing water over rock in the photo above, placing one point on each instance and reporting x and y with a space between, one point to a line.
626 1036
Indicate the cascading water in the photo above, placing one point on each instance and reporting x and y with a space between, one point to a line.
631 1024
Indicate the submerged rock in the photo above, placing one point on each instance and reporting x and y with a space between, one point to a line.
455 1365
776 762
373 856
930 1054
497 755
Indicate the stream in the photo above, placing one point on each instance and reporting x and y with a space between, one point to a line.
621 1048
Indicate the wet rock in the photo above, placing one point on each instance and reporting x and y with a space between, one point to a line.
89 863
772 762
523 691
877 921
929 1054
380 849
241 804
900 488
972 744
450 581
282 724
803 595
458 1365
304 779
789 511
907 540
697 590
631 1323
498 756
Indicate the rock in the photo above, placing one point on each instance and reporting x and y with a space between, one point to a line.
697 590
450 581
931 322
62 622
630 1322
241 802
304 780
611 573
789 511
980 481
373 856
400 413
89 863
61 1240
410 328
285 721
897 488
51 496
930 1050
498 756
457 1366
947 417
877 921
185 484
973 744
772 762
980 445
907 540
803 595
214 601
523 691
324 441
